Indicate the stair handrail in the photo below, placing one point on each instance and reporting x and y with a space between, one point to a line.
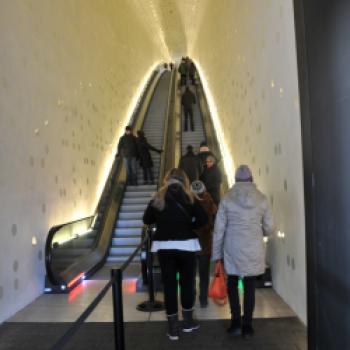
163 166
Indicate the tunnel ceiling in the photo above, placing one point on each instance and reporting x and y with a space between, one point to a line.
175 22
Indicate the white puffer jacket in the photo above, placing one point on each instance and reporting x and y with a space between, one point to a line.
243 218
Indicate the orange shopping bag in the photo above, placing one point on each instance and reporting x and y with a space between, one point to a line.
217 289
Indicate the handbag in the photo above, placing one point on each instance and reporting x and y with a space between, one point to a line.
218 289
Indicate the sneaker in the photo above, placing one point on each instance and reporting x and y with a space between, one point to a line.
189 324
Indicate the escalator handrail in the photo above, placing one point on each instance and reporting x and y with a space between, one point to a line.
209 130
106 193
163 158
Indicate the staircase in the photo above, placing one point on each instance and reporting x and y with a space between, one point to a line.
128 227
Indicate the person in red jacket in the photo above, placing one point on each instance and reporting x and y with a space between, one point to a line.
205 235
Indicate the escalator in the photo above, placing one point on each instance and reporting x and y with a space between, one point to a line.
76 250
128 227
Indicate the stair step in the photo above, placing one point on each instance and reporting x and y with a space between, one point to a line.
125 241
129 223
135 215
124 250
121 232
138 194
121 258
131 208
142 200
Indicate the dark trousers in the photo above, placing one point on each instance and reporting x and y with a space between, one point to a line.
171 262
249 298
183 79
131 170
188 113
203 264
148 174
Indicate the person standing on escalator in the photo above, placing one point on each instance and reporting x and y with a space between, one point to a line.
127 148
146 163
188 99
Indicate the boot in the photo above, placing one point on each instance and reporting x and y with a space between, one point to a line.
173 327
247 331
189 324
235 327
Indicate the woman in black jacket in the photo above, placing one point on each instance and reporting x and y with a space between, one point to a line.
146 162
176 212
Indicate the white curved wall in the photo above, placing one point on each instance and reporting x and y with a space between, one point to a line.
246 54
70 73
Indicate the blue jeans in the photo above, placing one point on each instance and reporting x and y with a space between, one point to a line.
131 170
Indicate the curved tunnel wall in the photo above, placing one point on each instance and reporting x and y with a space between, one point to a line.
70 74
245 51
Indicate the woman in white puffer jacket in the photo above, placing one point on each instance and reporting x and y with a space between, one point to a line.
242 220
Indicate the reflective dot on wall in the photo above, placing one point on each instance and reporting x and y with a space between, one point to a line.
1 292
16 284
46 123
285 185
14 229
34 241
40 255
36 131
15 266
292 263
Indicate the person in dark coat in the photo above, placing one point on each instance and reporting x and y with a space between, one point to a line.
183 70
188 99
127 148
191 164
204 152
146 163
205 235
211 177
176 213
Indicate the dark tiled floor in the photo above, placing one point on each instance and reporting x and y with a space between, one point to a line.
271 334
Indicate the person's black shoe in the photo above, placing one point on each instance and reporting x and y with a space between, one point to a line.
203 304
247 331
235 327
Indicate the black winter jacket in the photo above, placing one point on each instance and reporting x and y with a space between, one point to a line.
191 165
188 98
127 146
212 180
171 222
143 148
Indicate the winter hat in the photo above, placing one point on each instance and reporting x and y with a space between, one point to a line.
198 187
243 173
